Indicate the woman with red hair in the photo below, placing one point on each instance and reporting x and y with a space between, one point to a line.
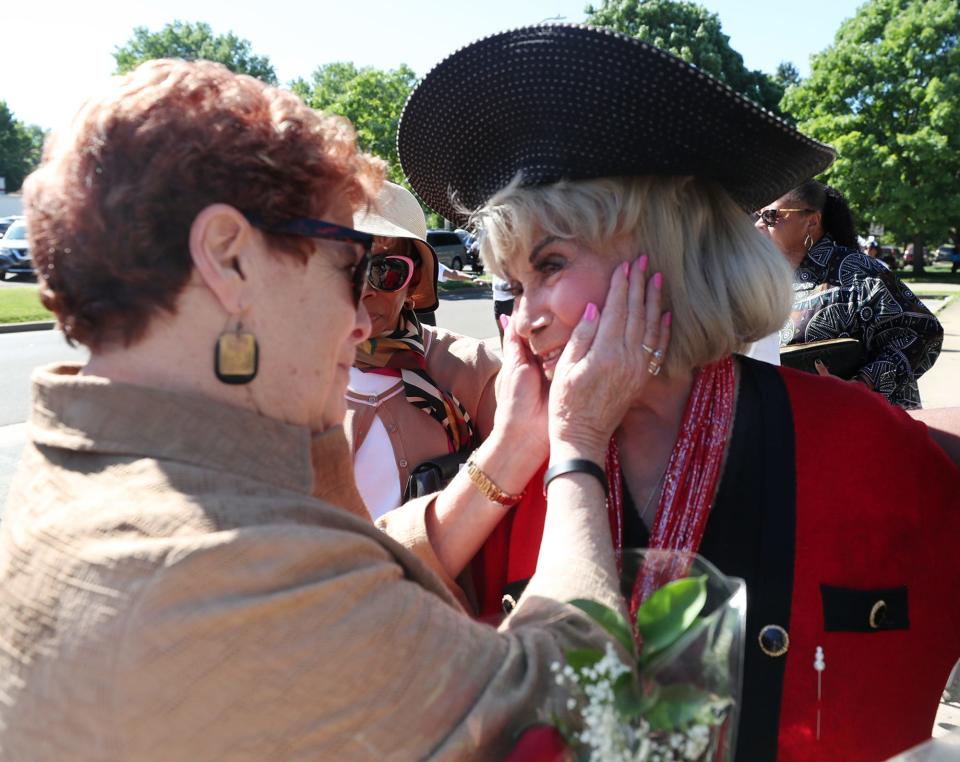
187 570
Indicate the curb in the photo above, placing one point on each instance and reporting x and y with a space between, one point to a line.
43 325
943 302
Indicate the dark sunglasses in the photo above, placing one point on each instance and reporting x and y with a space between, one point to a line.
390 272
307 227
771 216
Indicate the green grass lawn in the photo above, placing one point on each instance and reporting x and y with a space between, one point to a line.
455 285
21 305
935 273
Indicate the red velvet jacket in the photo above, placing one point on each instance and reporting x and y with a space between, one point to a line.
877 516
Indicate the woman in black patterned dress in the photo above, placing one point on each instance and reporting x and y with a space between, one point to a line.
840 292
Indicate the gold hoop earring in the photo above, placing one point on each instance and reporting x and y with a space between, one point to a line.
236 355
808 242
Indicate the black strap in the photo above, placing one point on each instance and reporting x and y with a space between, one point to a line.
577 466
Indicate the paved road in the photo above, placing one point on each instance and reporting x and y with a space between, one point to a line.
469 313
20 353
466 312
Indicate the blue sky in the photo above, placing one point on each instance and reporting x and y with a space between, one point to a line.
57 52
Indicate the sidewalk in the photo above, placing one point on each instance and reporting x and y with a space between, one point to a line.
940 386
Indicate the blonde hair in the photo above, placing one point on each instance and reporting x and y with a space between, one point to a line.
726 284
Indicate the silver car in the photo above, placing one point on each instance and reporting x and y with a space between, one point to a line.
15 251
450 249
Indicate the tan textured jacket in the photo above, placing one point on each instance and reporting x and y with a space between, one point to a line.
170 590
460 365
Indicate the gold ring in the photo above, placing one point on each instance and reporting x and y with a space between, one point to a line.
650 350
653 368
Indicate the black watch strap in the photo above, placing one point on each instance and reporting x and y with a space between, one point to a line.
576 465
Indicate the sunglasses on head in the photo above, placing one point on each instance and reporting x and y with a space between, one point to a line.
307 227
771 216
390 272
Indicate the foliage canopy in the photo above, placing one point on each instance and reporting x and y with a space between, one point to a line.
886 95
690 32
193 42
20 148
370 98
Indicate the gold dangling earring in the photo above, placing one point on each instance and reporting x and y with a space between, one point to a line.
236 355
808 242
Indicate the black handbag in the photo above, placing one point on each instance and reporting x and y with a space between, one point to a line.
434 474
843 357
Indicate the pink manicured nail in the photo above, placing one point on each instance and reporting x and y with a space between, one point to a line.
591 312
626 269
504 321
642 263
657 280
668 318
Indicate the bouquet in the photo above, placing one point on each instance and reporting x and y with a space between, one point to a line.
677 698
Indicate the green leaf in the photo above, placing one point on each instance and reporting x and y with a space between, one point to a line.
667 614
633 699
680 705
610 620
581 658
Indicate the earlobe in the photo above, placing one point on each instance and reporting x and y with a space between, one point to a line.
218 239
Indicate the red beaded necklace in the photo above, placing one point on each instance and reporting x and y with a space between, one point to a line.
692 475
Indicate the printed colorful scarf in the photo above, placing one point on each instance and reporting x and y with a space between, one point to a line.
403 351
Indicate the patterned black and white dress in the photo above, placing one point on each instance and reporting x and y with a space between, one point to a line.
839 292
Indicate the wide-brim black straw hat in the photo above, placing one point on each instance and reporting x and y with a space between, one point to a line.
574 102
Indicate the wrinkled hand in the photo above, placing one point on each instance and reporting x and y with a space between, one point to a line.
521 415
604 368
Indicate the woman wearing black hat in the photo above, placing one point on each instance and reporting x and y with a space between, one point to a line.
839 292
589 152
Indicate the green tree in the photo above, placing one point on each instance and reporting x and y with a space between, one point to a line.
886 95
690 32
370 98
193 42
20 148
786 75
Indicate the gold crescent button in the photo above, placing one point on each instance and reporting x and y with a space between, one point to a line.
878 614
774 640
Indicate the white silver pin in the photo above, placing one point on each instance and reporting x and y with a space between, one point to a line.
819 664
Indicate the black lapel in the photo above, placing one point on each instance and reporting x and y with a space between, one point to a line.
773 585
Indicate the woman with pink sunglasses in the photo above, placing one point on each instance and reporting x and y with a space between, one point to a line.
416 392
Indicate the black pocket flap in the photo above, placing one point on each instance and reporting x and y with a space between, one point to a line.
848 610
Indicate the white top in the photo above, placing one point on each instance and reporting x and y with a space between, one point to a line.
442 271
501 292
767 349
376 451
